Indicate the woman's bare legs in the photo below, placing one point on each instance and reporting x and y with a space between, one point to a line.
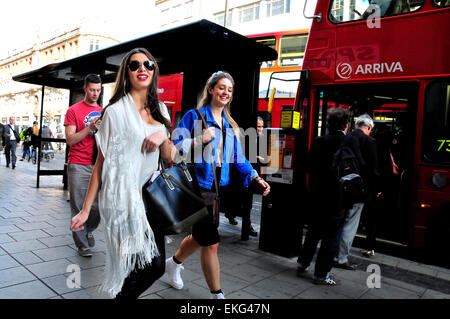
208 259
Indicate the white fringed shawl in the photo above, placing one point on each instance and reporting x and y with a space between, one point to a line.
129 238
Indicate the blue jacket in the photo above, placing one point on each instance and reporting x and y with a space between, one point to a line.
190 127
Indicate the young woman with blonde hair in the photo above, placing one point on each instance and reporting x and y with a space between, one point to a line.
222 138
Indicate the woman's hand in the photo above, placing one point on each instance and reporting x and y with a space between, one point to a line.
263 186
78 221
152 142
208 134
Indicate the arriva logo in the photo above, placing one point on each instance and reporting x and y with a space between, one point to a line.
344 70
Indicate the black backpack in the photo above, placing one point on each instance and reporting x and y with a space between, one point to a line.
351 188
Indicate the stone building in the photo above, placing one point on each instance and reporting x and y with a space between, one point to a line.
23 101
244 16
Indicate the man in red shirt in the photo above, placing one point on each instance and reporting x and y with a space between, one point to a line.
81 122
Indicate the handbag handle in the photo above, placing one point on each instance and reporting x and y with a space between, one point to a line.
212 158
168 178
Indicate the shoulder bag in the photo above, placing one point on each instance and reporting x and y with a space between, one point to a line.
173 200
211 198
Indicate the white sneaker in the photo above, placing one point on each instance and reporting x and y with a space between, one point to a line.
173 271
218 296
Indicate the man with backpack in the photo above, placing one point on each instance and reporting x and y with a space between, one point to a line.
369 173
328 215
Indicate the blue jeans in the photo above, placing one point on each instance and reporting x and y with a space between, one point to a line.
26 148
348 231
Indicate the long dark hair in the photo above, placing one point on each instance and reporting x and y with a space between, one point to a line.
122 87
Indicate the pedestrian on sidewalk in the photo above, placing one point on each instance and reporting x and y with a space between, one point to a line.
388 184
328 216
369 173
222 137
25 135
12 140
34 139
2 142
243 203
134 132
81 123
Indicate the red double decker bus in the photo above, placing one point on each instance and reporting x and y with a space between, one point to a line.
390 59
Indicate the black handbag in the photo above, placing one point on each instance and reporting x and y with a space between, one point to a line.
173 200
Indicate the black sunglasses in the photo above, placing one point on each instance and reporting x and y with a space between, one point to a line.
134 65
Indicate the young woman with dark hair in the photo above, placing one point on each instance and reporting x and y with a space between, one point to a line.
134 131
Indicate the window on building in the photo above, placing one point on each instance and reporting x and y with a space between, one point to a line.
350 10
219 18
176 13
292 50
277 7
442 3
189 9
249 13
272 43
165 17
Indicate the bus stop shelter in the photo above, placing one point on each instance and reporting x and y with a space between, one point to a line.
197 50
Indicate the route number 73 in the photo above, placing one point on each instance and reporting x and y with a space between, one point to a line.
443 142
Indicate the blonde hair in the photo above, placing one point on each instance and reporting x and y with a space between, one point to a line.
205 97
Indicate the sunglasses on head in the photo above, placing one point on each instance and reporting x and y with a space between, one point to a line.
134 65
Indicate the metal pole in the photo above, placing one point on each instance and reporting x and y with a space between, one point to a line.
39 138
225 19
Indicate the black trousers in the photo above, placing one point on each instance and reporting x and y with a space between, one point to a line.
10 152
323 227
140 280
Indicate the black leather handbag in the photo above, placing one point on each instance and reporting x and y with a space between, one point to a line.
173 200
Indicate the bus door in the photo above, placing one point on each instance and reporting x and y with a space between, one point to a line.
393 107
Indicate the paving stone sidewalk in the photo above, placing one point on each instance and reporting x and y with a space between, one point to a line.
38 257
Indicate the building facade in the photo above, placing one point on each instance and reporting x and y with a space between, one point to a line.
243 16
23 101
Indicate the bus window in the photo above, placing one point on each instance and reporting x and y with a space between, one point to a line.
436 123
351 10
271 42
442 3
292 50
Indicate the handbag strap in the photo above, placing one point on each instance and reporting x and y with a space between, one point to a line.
211 154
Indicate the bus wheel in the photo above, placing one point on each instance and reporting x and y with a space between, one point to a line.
437 248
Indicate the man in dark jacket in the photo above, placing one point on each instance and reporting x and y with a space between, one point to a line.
369 173
12 139
2 130
328 216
